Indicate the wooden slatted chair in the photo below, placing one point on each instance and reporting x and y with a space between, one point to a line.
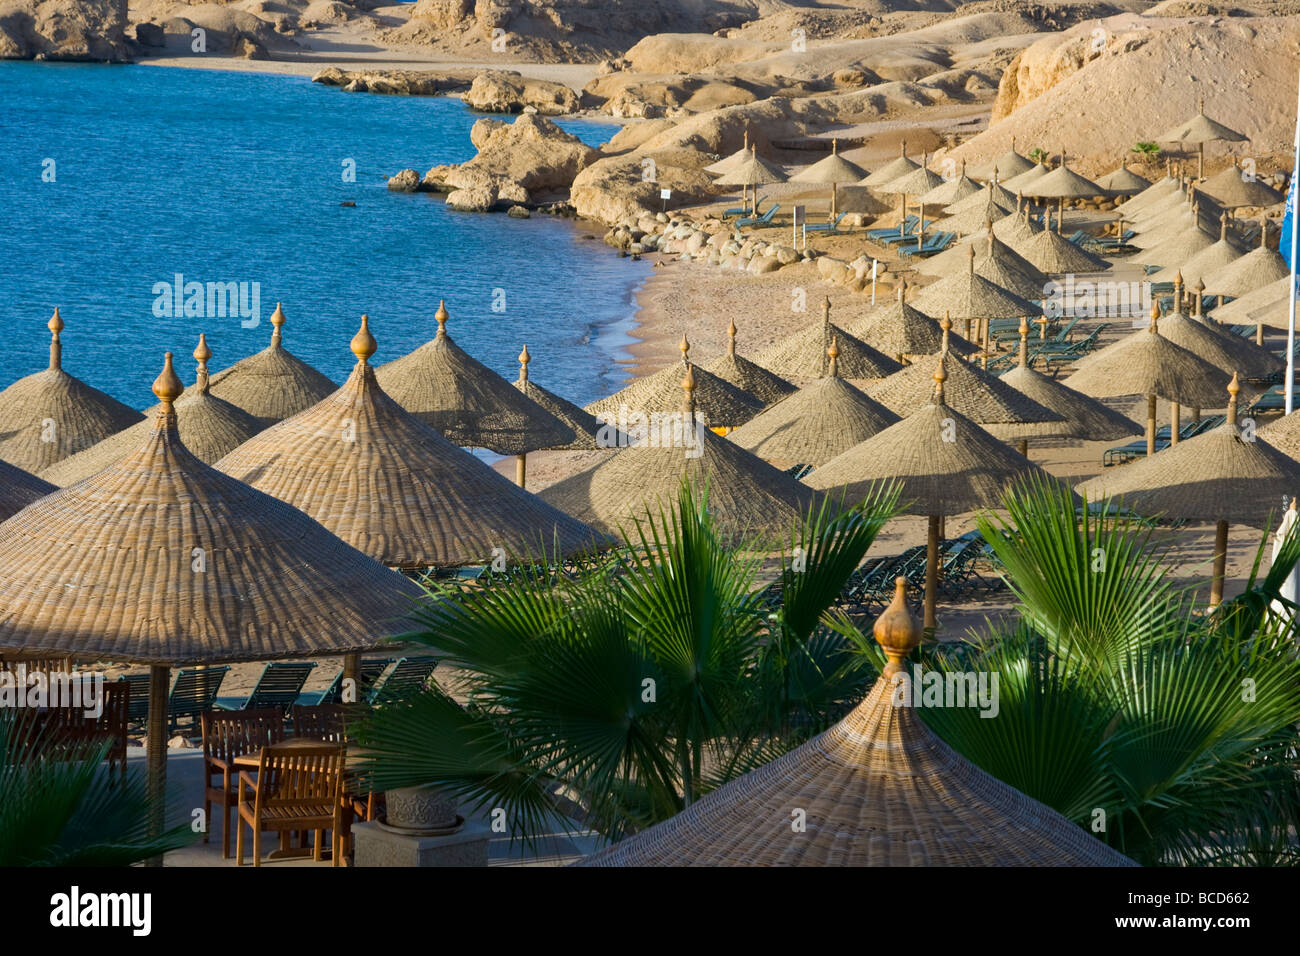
329 722
227 735
75 732
295 789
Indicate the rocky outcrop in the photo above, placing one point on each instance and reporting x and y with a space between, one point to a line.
641 96
64 30
501 92
407 181
398 82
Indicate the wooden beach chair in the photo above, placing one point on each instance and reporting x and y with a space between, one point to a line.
227 735
193 692
295 789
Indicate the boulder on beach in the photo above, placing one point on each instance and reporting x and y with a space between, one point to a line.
497 91
473 199
532 152
397 82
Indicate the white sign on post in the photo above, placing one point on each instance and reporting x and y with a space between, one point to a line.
665 195
873 281
798 221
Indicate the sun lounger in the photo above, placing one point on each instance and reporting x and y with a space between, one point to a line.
371 670
937 242
406 679
137 711
194 691
741 210
278 686
828 226
894 233
762 220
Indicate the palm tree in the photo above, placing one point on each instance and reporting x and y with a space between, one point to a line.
637 685
1168 731
67 808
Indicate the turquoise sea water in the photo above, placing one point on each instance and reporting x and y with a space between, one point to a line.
234 177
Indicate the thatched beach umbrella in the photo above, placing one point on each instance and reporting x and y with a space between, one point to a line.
1228 352
803 354
49 415
1061 184
752 172
1123 182
747 496
1200 129
918 181
1267 305
972 219
1256 269
746 375
1206 262
162 560
1168 186
274 383
879 788
728 163
816 423
903 332
966 296
1053 254
1019 182
718 402
18 489
994 261
1225 475
991 192
892 170
209 426
1017 230
944 463
1233 188
1007 166
1144 362
584 424
832 170
396 490
985 399
952 190
1084 417
1284 434
468 403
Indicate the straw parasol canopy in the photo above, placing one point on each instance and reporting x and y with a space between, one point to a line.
584 424
1206 262
747 376
803 355
209 426
1010 164
991 192
393 488
903 332
751 172
944 464
718 402
1267 305
49 415
1227 352
1016 230
1176 249
1051 253
1256 269
747 496
1284 434
18 489
815 424
974 218
1084 417
1061 184
995 261
274 383
1019 182
728 163
1200 129
951 190
1000 410
1232 188
967 296
1161 189
892 170
877 789
471 405
1123 182
832 170
1224 475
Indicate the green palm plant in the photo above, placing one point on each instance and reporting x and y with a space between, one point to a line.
1168 731
636 686
68 809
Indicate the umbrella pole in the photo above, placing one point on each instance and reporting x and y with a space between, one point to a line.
1023 447
1151 425
156 751
931 573
1174 413
521 469
1259 334
902 221
1220 563
1200 160
833 202
352 672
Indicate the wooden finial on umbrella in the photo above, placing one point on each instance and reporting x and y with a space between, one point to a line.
277 323
1200 294
55 325
1263 233
940 376
1200 104
167 386
688 400
1233 389
902 290
1223 226
902 149
363 344
731 338
1178 291
946 325
1155 317
442 316
896 630
201 355
524 359
970 259
685 348
1024 341
835 146
833 353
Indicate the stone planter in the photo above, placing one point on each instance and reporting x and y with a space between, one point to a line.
425 810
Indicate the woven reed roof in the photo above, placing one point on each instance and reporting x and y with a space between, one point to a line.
833 169
802 354
751 172
877 789
747 496
1176 249
815 424
447 388
109 569
974 219
1006 166
1201 129
274 383
913 183
1123 182
18 489
1231 189
49 415
1256 269
728 163
1218 475
1267 304
967 295
393 488
209 426
1144 362
951 260
1162 208
1159 227
892 170
898 329
1158 190
1016 231
1225 351
1284 434
1021 181
937 476
1206 262
584 424
1053 254
995 193
748 376
718 402
1061 183
983 398
952 190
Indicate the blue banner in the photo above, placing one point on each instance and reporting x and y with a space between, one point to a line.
1288 221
